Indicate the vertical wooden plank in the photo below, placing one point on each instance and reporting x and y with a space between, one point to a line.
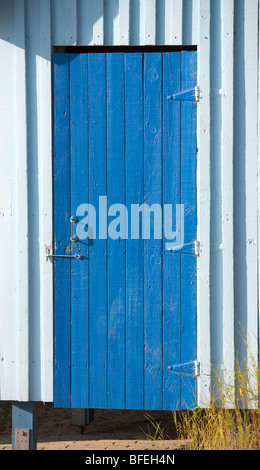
62 299
79 195
134 247
227 57
98 247
203 198
152 247
189 200
171 261
116 248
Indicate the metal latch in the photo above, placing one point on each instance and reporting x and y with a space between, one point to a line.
192 248
188 368
53 255
193 94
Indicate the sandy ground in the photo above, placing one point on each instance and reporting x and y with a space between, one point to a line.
110 430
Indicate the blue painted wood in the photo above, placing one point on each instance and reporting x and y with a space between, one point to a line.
24 416
116 248
134 247
171 262
189 199
126 311
62 300
98 248
153 247
79 192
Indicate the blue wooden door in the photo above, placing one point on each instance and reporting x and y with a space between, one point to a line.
125 308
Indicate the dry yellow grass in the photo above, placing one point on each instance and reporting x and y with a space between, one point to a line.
232 421
220 429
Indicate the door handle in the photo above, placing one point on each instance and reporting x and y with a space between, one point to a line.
52 255
63 256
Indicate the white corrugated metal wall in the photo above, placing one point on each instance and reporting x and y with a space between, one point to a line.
226 33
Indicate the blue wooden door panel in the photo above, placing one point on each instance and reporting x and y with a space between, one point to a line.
126 310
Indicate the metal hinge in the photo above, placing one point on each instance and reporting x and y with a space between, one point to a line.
189 368
192 248
193 94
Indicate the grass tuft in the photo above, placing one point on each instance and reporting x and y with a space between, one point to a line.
231 421
154 430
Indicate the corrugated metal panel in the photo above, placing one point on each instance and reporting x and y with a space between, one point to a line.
39 135
14 375
245 179
222 271
203 203
226 33
125 22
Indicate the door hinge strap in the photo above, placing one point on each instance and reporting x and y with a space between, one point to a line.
192 248
187 95
188 368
